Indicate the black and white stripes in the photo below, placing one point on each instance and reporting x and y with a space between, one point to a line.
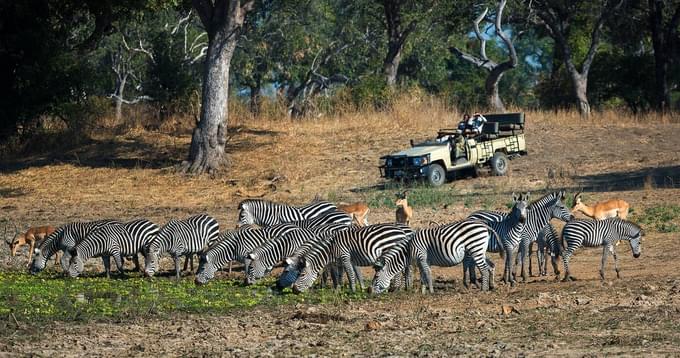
268 213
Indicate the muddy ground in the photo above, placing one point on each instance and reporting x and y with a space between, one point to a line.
637 314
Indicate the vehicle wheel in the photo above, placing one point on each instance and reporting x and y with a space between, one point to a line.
436 175
499 164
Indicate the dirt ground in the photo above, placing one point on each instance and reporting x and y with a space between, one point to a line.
130 176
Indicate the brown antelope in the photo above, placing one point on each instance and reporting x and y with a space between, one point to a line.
602 210
32 237
358 211
404 212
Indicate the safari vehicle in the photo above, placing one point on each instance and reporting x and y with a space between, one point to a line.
501 139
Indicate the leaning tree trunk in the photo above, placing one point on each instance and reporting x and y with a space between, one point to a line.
210 136
392 61
222 19
255 98
581 94
491 86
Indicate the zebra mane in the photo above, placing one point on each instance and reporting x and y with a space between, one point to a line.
545 200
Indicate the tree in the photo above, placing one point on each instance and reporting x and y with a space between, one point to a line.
557 18
222 20
397 33
496 70
664 33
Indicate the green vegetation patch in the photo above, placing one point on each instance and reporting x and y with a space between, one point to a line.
419 195
52 297
663 219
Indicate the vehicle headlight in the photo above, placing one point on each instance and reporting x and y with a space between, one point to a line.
418 161
388 162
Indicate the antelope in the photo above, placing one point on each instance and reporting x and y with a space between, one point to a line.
404 212
358 211
32 237
602 210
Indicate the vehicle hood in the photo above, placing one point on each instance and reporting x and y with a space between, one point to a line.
418 151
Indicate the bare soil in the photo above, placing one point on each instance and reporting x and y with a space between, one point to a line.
131 175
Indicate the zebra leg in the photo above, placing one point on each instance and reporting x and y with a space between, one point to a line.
118 260
616 262
107 265
556 270
523 254
229 272
565 259
492 271
605 252
176 259
360 278
531 253
425 276
135 260
349 269
507 271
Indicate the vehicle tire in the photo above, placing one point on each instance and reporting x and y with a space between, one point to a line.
436 175
499 164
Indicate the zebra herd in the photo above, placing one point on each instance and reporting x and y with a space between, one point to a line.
318 239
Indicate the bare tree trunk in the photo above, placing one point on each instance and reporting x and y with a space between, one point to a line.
396 39
491 86
119 97
392 61
222 20
255 98
662 41
581 94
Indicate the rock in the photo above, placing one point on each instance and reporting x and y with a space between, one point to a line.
481 324
582 300
372 326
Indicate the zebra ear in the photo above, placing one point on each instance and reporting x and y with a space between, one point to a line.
514 196
378 264
251 256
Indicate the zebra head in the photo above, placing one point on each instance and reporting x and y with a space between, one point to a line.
559 210
383 275
635 233
152 252
76 264
389 265
43 252
245 213
206 270
255 268
519 208
290 273
308 274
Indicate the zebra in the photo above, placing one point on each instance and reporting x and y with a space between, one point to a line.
64 238
547 240
114 240
291 270
261 260
268 213
605 233
351 247
181 238
234 246
509 231
539 214
445 245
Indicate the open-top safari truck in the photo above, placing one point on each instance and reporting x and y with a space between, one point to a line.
501 139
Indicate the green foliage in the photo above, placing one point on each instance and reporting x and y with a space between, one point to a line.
664 219
419 195
52 297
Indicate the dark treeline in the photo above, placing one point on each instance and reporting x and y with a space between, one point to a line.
75 60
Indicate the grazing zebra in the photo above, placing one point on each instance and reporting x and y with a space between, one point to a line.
594 233
181 238
539 214
292 269
445 245
114 240
509 230
234 246
267 213
261 260
547 240
351 247
64 238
